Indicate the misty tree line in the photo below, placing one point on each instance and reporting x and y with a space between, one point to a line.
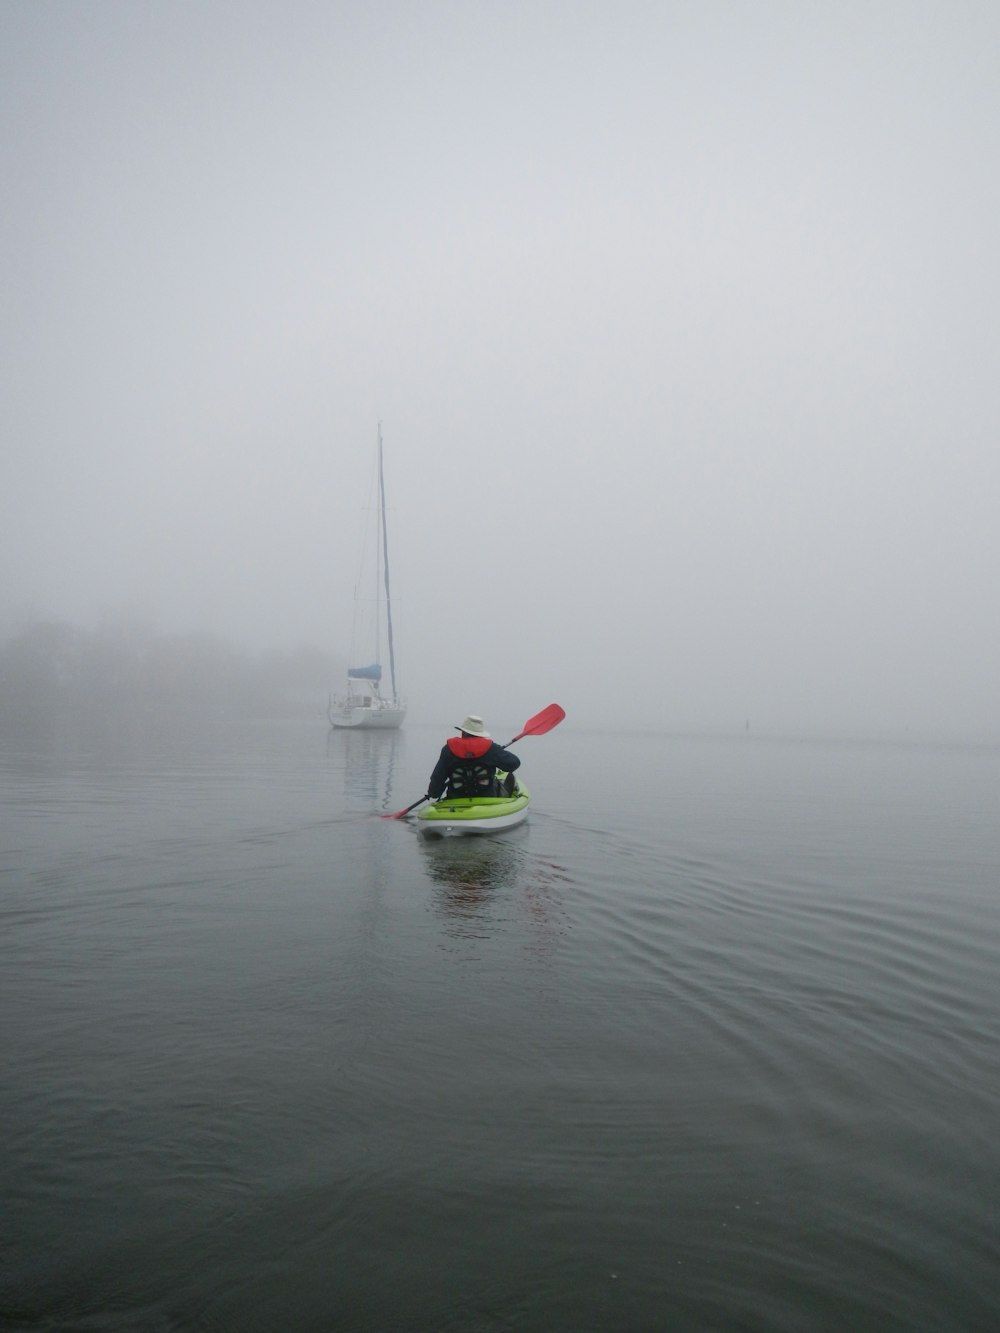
51 667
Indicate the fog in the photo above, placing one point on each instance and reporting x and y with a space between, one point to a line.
679 319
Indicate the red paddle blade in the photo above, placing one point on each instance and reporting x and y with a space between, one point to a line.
542 722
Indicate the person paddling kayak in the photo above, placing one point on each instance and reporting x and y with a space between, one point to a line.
468 764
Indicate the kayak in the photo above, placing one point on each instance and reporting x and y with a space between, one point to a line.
474 814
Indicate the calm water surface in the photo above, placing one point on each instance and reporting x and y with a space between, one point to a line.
725 1058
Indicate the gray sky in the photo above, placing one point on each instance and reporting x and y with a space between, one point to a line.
680 318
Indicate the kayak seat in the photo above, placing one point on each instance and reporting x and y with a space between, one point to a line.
472 780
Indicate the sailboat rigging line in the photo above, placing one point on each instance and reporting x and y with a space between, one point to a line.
364 705
366 619
385 566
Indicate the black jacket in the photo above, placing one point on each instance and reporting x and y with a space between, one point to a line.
460 766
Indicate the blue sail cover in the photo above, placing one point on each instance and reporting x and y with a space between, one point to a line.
373 672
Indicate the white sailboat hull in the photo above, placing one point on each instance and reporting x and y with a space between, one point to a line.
383 716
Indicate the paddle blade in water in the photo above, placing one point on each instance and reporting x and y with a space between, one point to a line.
400 813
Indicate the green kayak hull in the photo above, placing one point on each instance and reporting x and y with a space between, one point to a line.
475 814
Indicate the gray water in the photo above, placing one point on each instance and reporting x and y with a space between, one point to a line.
723 1055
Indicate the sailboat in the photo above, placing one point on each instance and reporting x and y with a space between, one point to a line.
364 704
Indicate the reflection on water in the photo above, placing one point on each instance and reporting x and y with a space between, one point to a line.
488 884
369 759
469 868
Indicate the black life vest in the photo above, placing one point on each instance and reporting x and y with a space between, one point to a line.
469 777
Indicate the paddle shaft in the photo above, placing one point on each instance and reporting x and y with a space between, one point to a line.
400 813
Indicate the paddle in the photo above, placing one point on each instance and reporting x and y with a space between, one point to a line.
541 723
400 813
535 726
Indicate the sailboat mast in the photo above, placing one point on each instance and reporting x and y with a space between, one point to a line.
378 557
385 566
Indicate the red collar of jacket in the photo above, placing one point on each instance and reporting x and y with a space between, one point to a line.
469 747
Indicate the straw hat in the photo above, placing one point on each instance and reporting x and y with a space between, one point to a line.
474 726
